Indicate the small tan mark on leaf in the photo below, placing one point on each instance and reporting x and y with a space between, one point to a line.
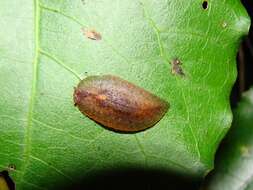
92 34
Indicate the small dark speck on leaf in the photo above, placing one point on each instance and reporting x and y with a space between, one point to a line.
176 67
92 34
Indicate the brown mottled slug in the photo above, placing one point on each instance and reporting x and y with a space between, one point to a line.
118 104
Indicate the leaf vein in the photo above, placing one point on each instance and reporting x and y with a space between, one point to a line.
27 133
156 30
51 166
141 149
33 185
56 60
61 13
57 129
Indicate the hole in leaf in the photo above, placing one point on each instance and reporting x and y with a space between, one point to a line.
205 5
11 167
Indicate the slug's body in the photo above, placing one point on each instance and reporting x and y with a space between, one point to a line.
118 104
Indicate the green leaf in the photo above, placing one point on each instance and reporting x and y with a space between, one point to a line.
44 53
234 169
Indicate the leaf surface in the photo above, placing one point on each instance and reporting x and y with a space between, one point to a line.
44 52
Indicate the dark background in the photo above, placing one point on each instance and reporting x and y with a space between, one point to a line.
244 61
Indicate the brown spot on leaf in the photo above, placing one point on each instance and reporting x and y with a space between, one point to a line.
118 104
176 67
92 34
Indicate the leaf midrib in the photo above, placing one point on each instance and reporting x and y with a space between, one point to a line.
27 132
